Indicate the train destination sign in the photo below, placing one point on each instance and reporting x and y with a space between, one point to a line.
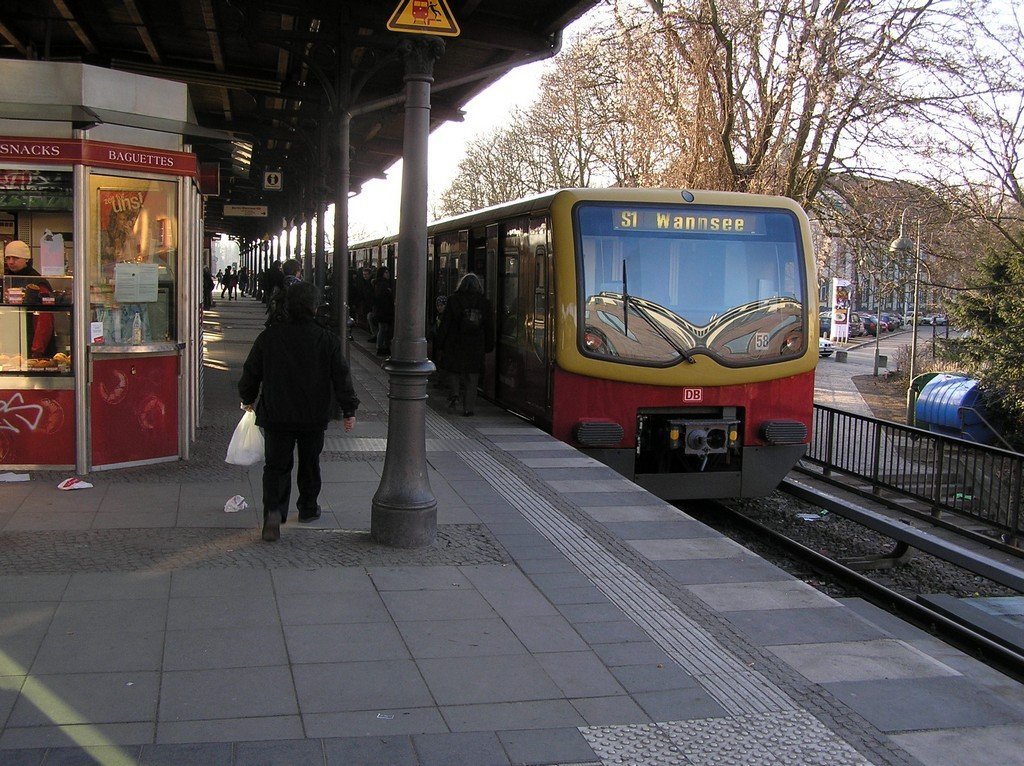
674 219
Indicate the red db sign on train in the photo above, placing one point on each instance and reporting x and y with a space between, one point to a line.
693 394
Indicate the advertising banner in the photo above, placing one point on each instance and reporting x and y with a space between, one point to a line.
840 310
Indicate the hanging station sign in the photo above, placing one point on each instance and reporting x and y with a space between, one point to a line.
246 211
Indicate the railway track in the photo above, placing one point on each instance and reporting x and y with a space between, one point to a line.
826 570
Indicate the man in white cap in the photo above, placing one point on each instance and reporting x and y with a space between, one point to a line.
17 257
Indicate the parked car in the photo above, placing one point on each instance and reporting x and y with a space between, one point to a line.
824 323
871 324
892 321
825 347
940 319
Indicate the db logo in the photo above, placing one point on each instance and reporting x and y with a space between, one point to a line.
693 394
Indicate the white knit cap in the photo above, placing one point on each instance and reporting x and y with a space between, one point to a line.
18 249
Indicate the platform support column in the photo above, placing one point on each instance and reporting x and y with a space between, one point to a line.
404 510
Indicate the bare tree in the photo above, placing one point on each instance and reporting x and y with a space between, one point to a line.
593 123
498 167
782 92
973 149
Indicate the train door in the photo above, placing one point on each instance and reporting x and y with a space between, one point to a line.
508 366
522 348
490 272
535 285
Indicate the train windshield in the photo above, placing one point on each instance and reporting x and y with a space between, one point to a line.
660 284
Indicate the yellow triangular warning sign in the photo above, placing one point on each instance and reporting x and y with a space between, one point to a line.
424 17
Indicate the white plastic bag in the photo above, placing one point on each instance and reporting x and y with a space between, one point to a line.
246 447
235 504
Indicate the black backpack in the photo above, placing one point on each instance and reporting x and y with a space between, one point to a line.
472 319
277 308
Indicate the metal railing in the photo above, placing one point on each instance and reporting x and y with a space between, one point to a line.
972 480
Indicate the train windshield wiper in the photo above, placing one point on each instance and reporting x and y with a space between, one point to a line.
643 313
686 355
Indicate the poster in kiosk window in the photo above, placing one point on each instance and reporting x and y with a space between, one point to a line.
136 244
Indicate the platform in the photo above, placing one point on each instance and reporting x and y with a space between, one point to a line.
564 617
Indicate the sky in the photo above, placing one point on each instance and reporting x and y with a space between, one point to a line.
374 211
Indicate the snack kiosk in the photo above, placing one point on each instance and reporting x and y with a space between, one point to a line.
99 186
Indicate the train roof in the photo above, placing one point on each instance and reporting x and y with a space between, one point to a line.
541 202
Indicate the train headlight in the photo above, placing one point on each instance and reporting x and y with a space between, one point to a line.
793 343
592 341
673 436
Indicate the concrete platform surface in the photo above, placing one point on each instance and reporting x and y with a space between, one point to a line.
563 617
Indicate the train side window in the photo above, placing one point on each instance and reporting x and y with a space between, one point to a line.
510 297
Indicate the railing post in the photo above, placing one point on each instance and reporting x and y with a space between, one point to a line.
937 480
830 434
1015 497
875 487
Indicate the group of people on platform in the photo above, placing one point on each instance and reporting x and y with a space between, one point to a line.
372 301
461 337
236 281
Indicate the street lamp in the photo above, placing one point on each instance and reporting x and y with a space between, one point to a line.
903 245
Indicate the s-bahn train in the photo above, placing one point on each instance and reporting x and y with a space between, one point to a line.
669 334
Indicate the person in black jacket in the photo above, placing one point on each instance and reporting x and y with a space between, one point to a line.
465 334
208 287
295 367
383 310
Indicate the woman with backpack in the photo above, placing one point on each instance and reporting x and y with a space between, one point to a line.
466 333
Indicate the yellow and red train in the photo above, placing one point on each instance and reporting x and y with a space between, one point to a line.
669 334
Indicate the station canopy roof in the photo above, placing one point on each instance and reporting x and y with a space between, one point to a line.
268 78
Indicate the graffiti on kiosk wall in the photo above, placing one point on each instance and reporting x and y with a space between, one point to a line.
37 427
15 414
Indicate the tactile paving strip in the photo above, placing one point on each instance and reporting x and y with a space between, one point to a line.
355 444
768 739
764 726
736 687
634 745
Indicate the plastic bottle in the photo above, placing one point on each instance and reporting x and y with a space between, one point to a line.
137 329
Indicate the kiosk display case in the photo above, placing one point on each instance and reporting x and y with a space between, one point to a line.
36 326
